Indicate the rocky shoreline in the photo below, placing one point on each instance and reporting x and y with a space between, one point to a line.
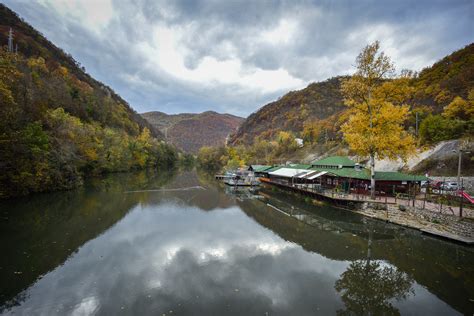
446 226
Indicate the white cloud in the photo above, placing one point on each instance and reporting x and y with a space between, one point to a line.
95 15
167 53
282 34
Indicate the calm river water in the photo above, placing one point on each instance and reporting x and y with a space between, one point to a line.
182 244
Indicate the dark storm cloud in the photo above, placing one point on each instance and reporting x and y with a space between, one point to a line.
302 40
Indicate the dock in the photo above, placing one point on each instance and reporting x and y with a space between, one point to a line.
347 200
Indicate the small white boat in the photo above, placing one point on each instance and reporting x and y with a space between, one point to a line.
242 178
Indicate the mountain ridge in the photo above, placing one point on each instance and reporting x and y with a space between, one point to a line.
191 131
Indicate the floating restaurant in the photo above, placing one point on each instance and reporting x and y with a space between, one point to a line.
340 174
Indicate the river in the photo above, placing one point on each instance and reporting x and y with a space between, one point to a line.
179 243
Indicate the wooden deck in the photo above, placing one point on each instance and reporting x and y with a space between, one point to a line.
342 199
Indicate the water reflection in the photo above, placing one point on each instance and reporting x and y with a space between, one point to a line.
368 287
445 269
181 243
38 233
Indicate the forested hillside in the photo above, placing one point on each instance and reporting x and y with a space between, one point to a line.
190 132
85 97
58 124
317 102
163 121
316 112
452 76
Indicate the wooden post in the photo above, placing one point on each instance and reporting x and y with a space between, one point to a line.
462 198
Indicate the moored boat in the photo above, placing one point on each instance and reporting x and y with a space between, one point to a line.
242 178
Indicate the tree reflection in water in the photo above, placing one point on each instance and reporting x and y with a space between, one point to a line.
368 287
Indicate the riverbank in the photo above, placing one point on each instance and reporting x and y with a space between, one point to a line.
424 216
446 226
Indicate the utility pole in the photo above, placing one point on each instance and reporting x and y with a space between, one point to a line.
416 124
10 41
459 189
460 151
459 165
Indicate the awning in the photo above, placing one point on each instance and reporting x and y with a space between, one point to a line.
314 176
288 172
302 174
309 174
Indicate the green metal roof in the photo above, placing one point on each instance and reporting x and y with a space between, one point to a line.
335 161
260 168
364 174
297 166
273 168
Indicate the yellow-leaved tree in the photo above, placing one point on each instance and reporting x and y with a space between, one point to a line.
377 109
460 108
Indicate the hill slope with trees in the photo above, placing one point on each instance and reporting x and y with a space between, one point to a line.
86 98
317 102
190 132
58 124
316 112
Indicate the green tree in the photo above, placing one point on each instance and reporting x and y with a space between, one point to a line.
312 131
262 151
236 158
187 160
436 128
286 143
212 158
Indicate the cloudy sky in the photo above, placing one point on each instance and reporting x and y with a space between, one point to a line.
235 56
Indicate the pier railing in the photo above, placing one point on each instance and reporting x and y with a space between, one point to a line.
326 193
332 194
